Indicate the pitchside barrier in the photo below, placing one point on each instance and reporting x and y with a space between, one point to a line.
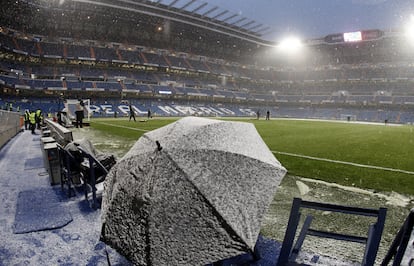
10 125
61 134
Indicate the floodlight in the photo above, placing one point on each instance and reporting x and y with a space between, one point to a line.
290 45
409 30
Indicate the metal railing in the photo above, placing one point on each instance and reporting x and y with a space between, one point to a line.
10 125
61 134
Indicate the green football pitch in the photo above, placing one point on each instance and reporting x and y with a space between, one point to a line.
376 157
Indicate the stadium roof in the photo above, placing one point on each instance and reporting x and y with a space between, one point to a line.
213 15
192 26
260 21
194 13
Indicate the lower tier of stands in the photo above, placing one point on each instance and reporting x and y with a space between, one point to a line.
158 90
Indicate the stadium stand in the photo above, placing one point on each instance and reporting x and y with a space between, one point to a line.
182 67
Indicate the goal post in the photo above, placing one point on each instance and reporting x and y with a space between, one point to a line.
70 108
347 117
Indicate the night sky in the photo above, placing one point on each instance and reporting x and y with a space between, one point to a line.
310 19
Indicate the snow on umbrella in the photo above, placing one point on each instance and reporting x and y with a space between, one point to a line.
190 193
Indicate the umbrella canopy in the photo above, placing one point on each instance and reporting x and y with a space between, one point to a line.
190 193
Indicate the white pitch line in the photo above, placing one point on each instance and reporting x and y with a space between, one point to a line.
132 128
346 163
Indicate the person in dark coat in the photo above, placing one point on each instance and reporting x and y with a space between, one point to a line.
131 113
149 113
79 113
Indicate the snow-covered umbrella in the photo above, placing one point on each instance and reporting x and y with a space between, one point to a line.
190 193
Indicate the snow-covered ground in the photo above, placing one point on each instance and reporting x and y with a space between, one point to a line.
74 244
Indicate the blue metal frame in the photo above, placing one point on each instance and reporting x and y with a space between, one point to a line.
289 252
91 166
399 245
65 158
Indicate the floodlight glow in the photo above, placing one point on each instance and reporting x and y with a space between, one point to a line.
409 30
290 45
353 36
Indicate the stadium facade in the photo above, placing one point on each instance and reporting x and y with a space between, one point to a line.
193 60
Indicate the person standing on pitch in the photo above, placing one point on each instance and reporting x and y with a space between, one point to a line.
268 115
131 113
79 113
149 113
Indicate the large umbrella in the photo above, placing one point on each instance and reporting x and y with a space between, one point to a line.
190 193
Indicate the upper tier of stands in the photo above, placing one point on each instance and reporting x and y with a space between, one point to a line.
74 84
135 55
186 75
